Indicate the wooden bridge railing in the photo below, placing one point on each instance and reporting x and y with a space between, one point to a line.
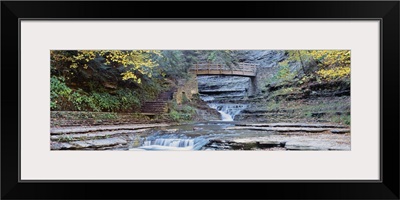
244 69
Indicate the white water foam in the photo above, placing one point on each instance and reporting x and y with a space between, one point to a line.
173 144
228 111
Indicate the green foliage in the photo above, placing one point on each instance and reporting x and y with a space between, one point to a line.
273 105
84 115
139 116
128 99
285 91
308 114
136 63
149 90
188 109
124 101
283 73
220 56
108 116
175 63
347 119
59 92
78 100
344 119
119 80
65 138
322 65
105 101
181 113
174 115
64 98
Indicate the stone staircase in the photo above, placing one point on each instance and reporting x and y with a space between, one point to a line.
160 104
154 107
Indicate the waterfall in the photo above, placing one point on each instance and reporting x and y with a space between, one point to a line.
228 111
159 142
215 89
170 142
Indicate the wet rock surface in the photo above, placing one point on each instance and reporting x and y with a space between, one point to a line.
299 136
83 129
211 136
305 141
217 88
98 137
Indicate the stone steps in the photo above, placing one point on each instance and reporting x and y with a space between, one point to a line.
160 105
156 107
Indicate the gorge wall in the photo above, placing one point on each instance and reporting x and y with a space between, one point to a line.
262 100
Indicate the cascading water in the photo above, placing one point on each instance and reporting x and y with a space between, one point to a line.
228 111
216 90
172 142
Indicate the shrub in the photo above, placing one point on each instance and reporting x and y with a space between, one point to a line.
174 115
344 119
105 101
108 116
179 114
59 92
64 98
334 73
78 100
129 100
283 73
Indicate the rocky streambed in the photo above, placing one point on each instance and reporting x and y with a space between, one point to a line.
213 135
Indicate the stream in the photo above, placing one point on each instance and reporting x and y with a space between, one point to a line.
220 93
226 94
216 135
198 136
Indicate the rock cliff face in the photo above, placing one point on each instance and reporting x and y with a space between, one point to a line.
276 102
223 93
229 94
265 59
231 88
220 88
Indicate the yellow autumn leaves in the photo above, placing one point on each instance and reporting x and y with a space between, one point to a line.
334 73
331 64
136 61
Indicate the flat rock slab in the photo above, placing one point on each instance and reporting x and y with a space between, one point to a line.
279 129
340 131
304 148
81 144
80 129
59 146
91 135
302 125
102 143
98 143
270 144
